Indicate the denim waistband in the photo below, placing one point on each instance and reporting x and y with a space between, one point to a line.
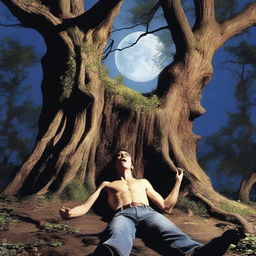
130 205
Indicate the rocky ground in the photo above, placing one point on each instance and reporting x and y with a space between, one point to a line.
34 227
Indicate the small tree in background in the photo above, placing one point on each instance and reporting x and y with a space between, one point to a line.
18 122
233 146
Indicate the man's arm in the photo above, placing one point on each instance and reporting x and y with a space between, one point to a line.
83 208
169 202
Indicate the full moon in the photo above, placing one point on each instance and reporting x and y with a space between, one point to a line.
138 63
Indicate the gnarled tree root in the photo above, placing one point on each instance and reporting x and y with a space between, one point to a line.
227 216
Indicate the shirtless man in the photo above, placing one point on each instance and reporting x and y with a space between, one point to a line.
128 197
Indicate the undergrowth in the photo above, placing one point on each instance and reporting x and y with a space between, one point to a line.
246 246
55 227
6 218
75 191
197 207
14 249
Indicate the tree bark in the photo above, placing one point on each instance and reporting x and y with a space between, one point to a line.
246 187
86 116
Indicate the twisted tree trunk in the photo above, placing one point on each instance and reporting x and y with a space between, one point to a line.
86 115
246 187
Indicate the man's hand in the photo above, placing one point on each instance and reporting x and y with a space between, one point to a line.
179 174
65 212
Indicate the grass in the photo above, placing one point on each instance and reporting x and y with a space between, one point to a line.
238 208
246 246
197 207
55 227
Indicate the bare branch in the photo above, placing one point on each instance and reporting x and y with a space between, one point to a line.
109 48
31 13
181 31
119 29
236 25
205 13
131 45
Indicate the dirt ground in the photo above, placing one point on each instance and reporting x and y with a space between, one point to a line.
80 236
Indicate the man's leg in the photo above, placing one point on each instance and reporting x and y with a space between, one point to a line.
173 240
121 233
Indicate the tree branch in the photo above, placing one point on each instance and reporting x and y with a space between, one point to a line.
77 7
131 45
205 13
31 13
182 34
102 23
70 8
236 25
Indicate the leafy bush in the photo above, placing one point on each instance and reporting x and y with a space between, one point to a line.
246 246
75 191
197 207
6 218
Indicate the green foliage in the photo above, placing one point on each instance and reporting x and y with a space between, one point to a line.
18 112
6 218
133 100
197 207
238 208
244 52
75 191
224 9
15 57
12 249
55 227
56 244
246 246
167 51
227 191
67 80
143 12
232 147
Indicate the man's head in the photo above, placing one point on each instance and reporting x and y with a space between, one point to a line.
122 160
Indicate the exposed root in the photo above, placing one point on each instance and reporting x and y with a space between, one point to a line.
227 216
38 151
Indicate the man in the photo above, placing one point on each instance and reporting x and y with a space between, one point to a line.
129 199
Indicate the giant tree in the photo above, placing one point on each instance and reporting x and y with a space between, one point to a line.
86 115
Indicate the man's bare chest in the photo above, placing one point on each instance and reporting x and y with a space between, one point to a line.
121 186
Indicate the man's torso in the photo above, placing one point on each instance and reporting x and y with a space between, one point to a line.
123 192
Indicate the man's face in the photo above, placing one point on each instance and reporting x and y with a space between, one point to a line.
124 160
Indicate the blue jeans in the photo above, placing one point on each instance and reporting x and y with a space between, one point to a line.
122 229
